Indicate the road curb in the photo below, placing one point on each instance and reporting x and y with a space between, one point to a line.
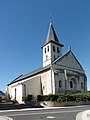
46 108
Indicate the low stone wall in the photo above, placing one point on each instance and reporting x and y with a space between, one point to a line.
63 104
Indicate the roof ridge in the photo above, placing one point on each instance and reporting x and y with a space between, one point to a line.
40 69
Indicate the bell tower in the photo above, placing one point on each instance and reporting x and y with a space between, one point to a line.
52 49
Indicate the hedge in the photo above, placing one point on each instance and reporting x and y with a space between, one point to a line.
64 97
29 97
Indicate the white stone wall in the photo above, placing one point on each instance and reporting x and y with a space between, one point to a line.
48 57
59 77
46 82
55 53
77 76
73 70
47 60
36 85
8 89
81 80
33 86
18 88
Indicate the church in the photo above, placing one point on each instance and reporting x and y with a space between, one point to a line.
61 73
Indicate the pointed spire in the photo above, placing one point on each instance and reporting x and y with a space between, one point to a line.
51 36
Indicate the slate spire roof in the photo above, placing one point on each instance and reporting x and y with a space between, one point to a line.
51 36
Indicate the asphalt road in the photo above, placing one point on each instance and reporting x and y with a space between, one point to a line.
68 113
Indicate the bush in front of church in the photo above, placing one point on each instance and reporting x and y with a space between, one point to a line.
29 97
64 97
81 97
40 98
49 97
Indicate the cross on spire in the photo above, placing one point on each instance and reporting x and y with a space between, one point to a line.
50 18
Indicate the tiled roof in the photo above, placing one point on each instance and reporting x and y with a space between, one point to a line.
51 36
30 74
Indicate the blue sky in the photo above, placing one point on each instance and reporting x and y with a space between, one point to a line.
23 29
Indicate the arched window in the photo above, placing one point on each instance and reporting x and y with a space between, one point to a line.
45 50
81 85
57 49
53 48
60 83
71 84
48 48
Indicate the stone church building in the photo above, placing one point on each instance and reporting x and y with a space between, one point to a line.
60 73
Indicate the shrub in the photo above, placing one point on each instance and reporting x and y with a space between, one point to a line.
46 98
71 97
62 98
29 97
53 97
85 98
81 97
88 97
77 97
40 97
4 98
